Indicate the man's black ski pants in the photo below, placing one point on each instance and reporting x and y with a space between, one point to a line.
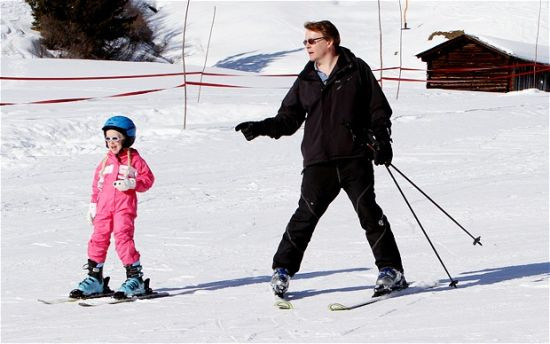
321 183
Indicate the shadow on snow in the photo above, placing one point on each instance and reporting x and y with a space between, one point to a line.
251 63
497 275
468 279
239 282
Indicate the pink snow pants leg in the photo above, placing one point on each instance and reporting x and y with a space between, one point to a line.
122 226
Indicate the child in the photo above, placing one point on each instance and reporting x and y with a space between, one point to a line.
113 209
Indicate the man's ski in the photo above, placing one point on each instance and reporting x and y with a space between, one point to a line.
401 292
112 301
341 307
72 299
282 303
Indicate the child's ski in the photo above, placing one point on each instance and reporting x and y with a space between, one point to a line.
77 295
72 299
112 301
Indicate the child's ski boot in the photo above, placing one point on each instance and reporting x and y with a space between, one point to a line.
94 284
134 284
389 279
280 281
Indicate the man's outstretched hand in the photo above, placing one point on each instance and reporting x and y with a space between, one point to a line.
250 130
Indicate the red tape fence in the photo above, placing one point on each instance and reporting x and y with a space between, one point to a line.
462 69
439 81
208 84
126 94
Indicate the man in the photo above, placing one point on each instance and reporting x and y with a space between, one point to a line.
341 102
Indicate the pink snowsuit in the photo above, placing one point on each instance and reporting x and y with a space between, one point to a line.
116 210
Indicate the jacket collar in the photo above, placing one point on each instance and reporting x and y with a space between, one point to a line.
123 153
345 62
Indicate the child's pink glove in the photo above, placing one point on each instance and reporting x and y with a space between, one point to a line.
92 209
125 184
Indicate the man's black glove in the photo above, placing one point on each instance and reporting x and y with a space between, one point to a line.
380 144
251 130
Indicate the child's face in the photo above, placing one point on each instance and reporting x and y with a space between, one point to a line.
114 140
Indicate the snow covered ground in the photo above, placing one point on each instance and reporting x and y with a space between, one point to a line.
209 227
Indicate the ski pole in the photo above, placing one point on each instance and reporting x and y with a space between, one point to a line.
453 282
476 240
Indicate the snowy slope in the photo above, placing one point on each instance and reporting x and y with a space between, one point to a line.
208 228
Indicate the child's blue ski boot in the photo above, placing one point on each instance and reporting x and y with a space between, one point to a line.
134 284
93 284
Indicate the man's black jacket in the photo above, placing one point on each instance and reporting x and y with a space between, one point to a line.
351 97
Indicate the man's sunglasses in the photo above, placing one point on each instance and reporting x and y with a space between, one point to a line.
312 41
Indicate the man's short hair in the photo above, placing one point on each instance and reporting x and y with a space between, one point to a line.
329 31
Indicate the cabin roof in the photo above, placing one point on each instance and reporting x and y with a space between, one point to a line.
521 50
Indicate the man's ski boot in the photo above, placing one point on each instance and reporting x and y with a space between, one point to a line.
280 281
389 279
134 284
94 284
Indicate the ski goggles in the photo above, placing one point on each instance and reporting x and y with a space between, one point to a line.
113 139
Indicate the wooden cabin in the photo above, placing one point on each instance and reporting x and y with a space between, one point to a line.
490 64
